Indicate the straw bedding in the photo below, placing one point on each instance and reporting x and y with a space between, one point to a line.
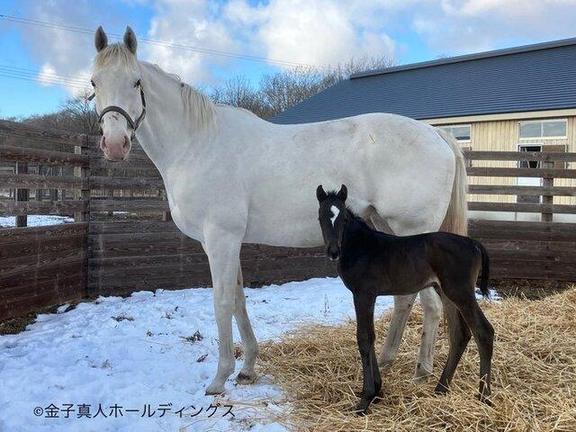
533 383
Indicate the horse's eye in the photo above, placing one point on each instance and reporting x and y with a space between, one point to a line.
92 82
137 84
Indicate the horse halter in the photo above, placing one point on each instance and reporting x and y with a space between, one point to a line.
113 108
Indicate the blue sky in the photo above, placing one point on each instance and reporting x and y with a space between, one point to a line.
314 32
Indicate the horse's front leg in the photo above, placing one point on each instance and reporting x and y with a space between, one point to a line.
372 383
247 375
223 250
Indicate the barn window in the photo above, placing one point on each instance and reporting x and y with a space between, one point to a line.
547 129
460 132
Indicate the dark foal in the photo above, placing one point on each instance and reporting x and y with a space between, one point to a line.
372 263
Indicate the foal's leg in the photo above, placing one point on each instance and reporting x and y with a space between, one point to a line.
484 335
432 306
402 305
372 383
223 250
247 375
459 336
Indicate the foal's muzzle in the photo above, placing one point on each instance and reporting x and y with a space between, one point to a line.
333 253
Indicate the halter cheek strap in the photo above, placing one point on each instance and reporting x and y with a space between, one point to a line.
131 123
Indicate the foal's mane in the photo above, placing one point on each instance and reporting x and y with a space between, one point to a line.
198 107
353 216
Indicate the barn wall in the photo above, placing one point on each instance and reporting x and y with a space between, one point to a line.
503 135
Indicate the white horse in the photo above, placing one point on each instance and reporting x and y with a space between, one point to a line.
233 178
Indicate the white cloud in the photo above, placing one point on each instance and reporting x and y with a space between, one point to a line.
194 23
318 33
313 32
457 26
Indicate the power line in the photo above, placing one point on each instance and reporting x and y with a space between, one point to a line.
35 80
45 75
155 42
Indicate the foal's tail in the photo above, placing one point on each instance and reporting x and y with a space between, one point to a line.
485 269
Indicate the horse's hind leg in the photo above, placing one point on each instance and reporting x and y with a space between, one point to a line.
247 375
459 336
432 306
402 307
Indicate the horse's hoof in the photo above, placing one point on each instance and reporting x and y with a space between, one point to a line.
420 379
385 365
244 378
215 389
421 375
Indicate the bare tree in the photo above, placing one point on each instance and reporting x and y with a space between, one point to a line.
282 90
239 92
76 114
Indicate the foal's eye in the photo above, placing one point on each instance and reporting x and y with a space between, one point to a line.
92 82
137 84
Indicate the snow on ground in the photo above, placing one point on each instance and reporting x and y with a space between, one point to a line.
36 220
142 350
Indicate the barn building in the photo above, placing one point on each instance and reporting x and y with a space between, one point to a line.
517 99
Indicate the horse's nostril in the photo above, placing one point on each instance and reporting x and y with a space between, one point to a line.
126 143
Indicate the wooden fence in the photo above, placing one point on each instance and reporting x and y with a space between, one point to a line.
122 239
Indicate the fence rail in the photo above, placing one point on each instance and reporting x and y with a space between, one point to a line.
122 238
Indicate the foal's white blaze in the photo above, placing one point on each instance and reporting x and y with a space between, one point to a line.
335 212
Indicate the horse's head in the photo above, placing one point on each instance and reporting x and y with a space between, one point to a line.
120 99
332 218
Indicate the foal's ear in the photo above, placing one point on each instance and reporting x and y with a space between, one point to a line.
320 194
130 40
342 193
100 39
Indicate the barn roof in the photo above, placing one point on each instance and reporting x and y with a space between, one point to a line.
527 78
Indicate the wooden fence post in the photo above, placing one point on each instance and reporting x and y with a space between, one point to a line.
83 172
21 194
547 182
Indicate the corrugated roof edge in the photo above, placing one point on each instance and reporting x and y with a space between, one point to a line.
468 57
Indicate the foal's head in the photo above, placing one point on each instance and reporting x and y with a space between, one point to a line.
332 215
116 81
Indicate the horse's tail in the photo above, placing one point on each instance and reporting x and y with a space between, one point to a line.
456 219
485 269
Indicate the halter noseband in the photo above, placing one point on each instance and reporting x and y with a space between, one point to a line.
131 123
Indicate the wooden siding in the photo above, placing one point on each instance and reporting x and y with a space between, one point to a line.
503 135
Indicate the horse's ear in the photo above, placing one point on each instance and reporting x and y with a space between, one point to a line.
342 193
130 40
320 194
100 39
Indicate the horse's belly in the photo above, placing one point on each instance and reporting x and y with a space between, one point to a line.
283 233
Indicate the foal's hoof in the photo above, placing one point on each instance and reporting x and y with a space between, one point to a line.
245 378
485 400
362 407
441 389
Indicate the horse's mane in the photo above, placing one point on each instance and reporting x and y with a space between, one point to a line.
116 52
198 107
